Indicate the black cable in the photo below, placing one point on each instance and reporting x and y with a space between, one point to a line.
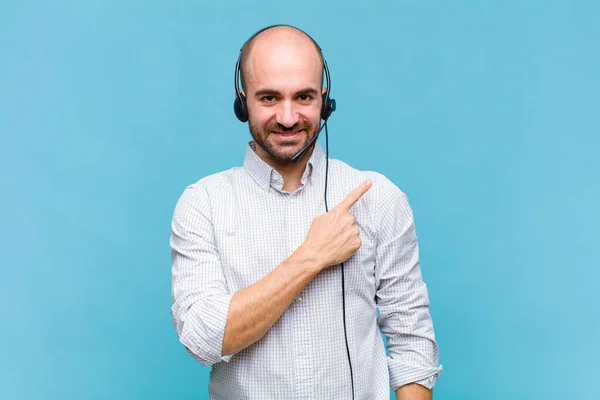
326 164
342 264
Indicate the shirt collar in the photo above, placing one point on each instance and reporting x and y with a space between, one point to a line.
266 176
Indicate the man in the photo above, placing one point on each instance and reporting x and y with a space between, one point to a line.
257 268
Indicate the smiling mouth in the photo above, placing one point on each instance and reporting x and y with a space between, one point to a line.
289 134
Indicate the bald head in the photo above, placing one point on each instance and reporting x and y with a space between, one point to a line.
278 43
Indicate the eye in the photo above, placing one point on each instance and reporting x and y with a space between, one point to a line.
268 99
304 97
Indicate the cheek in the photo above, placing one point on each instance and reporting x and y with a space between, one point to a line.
314 119
259 116
312 114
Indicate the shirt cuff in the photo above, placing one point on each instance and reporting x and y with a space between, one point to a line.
205 333
402 374
429 383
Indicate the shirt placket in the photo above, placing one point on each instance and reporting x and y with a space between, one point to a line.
303 362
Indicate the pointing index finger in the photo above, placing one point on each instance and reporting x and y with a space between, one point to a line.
354 196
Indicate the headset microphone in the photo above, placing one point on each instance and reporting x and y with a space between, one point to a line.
303 151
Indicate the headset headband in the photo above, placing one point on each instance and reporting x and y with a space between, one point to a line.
239 105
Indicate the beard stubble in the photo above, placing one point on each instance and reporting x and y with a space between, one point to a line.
281 151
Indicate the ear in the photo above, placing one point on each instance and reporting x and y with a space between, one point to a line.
323 91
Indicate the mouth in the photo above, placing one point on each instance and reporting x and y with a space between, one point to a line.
289 135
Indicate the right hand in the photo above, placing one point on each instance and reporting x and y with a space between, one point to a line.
333 237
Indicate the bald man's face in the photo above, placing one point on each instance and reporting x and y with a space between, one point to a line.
283 91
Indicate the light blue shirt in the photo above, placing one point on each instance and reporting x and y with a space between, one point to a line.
232 228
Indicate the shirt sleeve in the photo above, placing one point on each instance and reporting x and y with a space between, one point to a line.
200 296
402 296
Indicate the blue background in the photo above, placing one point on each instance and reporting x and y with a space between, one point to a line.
484 113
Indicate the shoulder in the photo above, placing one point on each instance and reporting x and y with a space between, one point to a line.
222 180
200 194
384 192
384 207
213 184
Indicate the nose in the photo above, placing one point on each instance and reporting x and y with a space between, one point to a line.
287 115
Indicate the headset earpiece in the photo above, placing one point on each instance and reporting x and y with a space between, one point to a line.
239 107
327 107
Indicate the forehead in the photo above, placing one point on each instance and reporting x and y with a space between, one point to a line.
289 64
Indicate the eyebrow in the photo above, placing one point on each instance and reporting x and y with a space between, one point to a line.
273 92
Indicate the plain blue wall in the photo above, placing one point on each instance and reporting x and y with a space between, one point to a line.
484 113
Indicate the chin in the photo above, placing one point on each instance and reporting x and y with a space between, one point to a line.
284 153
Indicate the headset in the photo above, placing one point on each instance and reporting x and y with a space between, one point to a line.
239 105
328 106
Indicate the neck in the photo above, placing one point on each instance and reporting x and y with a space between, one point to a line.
289 171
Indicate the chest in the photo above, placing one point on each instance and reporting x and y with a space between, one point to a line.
258 231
